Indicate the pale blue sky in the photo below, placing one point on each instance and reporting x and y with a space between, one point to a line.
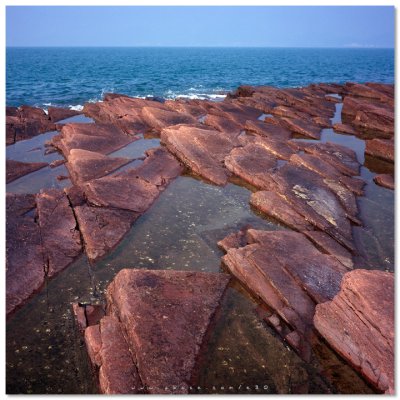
200 26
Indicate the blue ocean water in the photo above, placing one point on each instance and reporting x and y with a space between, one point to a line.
73 76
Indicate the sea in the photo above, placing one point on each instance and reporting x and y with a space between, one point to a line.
70 77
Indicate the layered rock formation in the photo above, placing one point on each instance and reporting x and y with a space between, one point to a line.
154 329
359 324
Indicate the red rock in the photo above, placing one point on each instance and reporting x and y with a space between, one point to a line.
380 148
84 165
94 313
79 315
158 119
26 122
333 99
24 256
340 157
301 127
289 112
313 199
93 344
56 163
202 150
237 113
253 164
322 122
118 374
330 246
277 148
186 107
344 128
234 240
102 228
123 192
154 309
359 325
385 180
16 169
99 138
268 129
289 274
159 168
223 124
275 206
59 233
57 113
370 92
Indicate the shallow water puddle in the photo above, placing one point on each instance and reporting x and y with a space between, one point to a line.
77 119
137 148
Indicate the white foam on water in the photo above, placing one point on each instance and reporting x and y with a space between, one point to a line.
78 107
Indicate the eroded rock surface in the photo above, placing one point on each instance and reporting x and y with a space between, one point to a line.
148 311
385 180
58 230
359 324
289 274
16 169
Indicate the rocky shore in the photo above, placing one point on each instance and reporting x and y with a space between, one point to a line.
314 275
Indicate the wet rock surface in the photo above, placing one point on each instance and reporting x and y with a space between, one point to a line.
58 113
359 324
16 169
262 138
25 122
150 310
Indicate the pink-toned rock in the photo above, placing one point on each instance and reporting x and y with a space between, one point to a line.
159 168
202 150
223 124
234 240
253 164
118 373
344 128
268 130
385 180
359 325
186 107
99 138
59 232
330 246
276 206
58 113
289 274
277 148
237 113
93 344
158 119
84 165
24 255
79 315
16 169
301 127
322 122
102 228
123 191
164 316
380 148
26 122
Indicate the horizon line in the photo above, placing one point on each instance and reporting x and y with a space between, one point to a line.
205 46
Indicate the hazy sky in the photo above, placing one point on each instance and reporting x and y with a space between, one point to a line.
201 26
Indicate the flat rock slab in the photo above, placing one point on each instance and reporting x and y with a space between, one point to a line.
99 138
380 148
315 201
301 127
16 169
276 206
268 130
25 269
26 122
278 148
84 165
164 316
58 113
159 168
102 228
253 164
223 124
289 274
330 246
359 325
59 232
385 180
202 150
123 192
158 119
